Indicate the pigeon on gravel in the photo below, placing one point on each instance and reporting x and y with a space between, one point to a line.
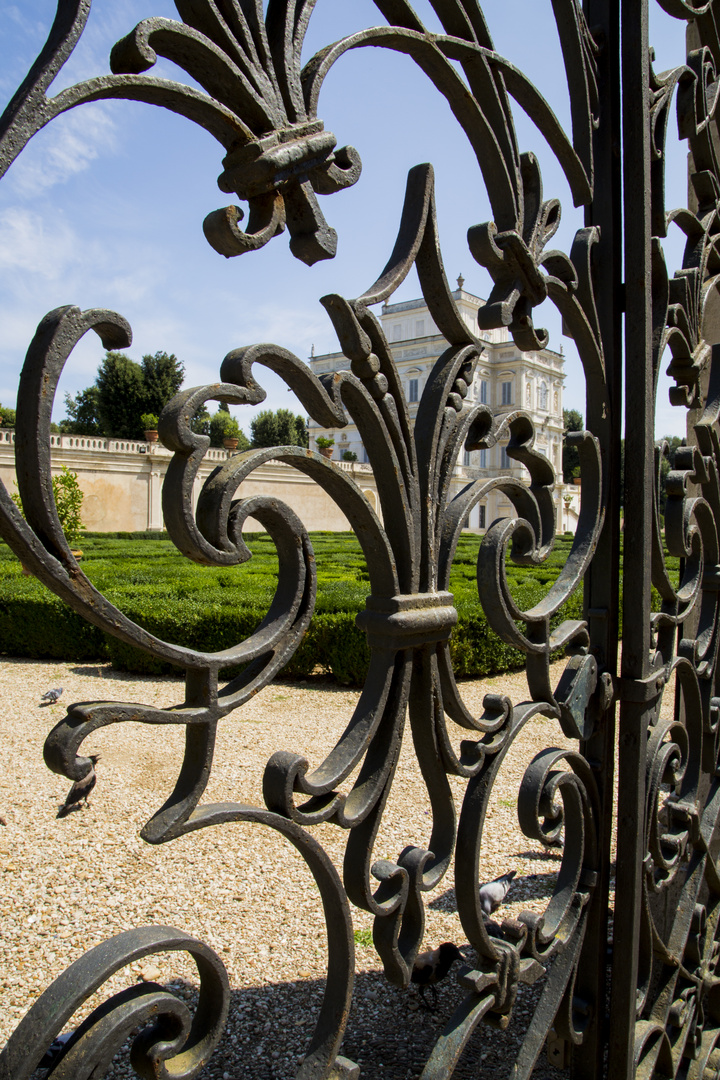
431 967
80 789
51 696
493 894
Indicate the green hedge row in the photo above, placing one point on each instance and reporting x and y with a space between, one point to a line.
34 623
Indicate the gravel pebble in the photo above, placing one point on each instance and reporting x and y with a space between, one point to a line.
68 884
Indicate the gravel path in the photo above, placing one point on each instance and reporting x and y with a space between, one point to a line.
66 885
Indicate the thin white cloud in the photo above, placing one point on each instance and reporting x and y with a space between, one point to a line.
26 244
67 147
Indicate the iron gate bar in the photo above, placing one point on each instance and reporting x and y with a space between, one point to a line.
638 503
602 579
664 1017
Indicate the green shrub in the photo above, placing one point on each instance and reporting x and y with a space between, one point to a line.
68 497
213 608
36 624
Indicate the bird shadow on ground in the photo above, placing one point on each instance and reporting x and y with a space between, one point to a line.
269 1029
554 855
68 810
529 887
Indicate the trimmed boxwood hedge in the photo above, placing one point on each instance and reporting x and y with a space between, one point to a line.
212 608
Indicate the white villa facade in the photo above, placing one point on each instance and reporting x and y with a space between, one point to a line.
506 379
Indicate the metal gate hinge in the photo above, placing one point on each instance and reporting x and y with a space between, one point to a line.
640 689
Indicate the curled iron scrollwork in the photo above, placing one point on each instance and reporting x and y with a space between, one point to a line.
255 97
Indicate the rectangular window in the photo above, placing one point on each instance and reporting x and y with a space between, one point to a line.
504 459
397 332
507 393
466 457
412 390
483 463
481 516
365 457
483 392
419 328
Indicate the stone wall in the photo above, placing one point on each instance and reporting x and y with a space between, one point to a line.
122 483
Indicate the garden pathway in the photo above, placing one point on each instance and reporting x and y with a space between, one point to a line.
67 884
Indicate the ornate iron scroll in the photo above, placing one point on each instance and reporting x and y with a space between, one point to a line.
261 105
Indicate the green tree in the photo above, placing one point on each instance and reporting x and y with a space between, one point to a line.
82 413
121 397
281 428
162 376
7 417
122 392
573 421
667 462
200 422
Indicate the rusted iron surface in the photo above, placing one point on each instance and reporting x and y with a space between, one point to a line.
664 1013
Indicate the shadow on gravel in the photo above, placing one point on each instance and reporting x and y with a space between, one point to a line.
104 671
387 1035
320 681
525 888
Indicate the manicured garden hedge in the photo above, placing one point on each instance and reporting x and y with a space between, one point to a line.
212 608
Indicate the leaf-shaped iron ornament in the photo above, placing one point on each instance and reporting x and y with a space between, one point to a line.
279 156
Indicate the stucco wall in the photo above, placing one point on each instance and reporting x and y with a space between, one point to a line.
122 482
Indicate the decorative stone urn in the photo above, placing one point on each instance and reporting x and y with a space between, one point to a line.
230 444
151 436
327 451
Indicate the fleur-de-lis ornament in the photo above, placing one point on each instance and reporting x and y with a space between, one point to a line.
278 155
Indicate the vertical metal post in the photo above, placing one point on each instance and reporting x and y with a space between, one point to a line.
638 525
603 418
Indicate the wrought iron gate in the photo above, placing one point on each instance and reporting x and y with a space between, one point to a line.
651 1005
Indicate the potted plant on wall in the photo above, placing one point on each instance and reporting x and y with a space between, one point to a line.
149 423
325 445
231 432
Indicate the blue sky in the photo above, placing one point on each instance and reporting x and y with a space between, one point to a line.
105 206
